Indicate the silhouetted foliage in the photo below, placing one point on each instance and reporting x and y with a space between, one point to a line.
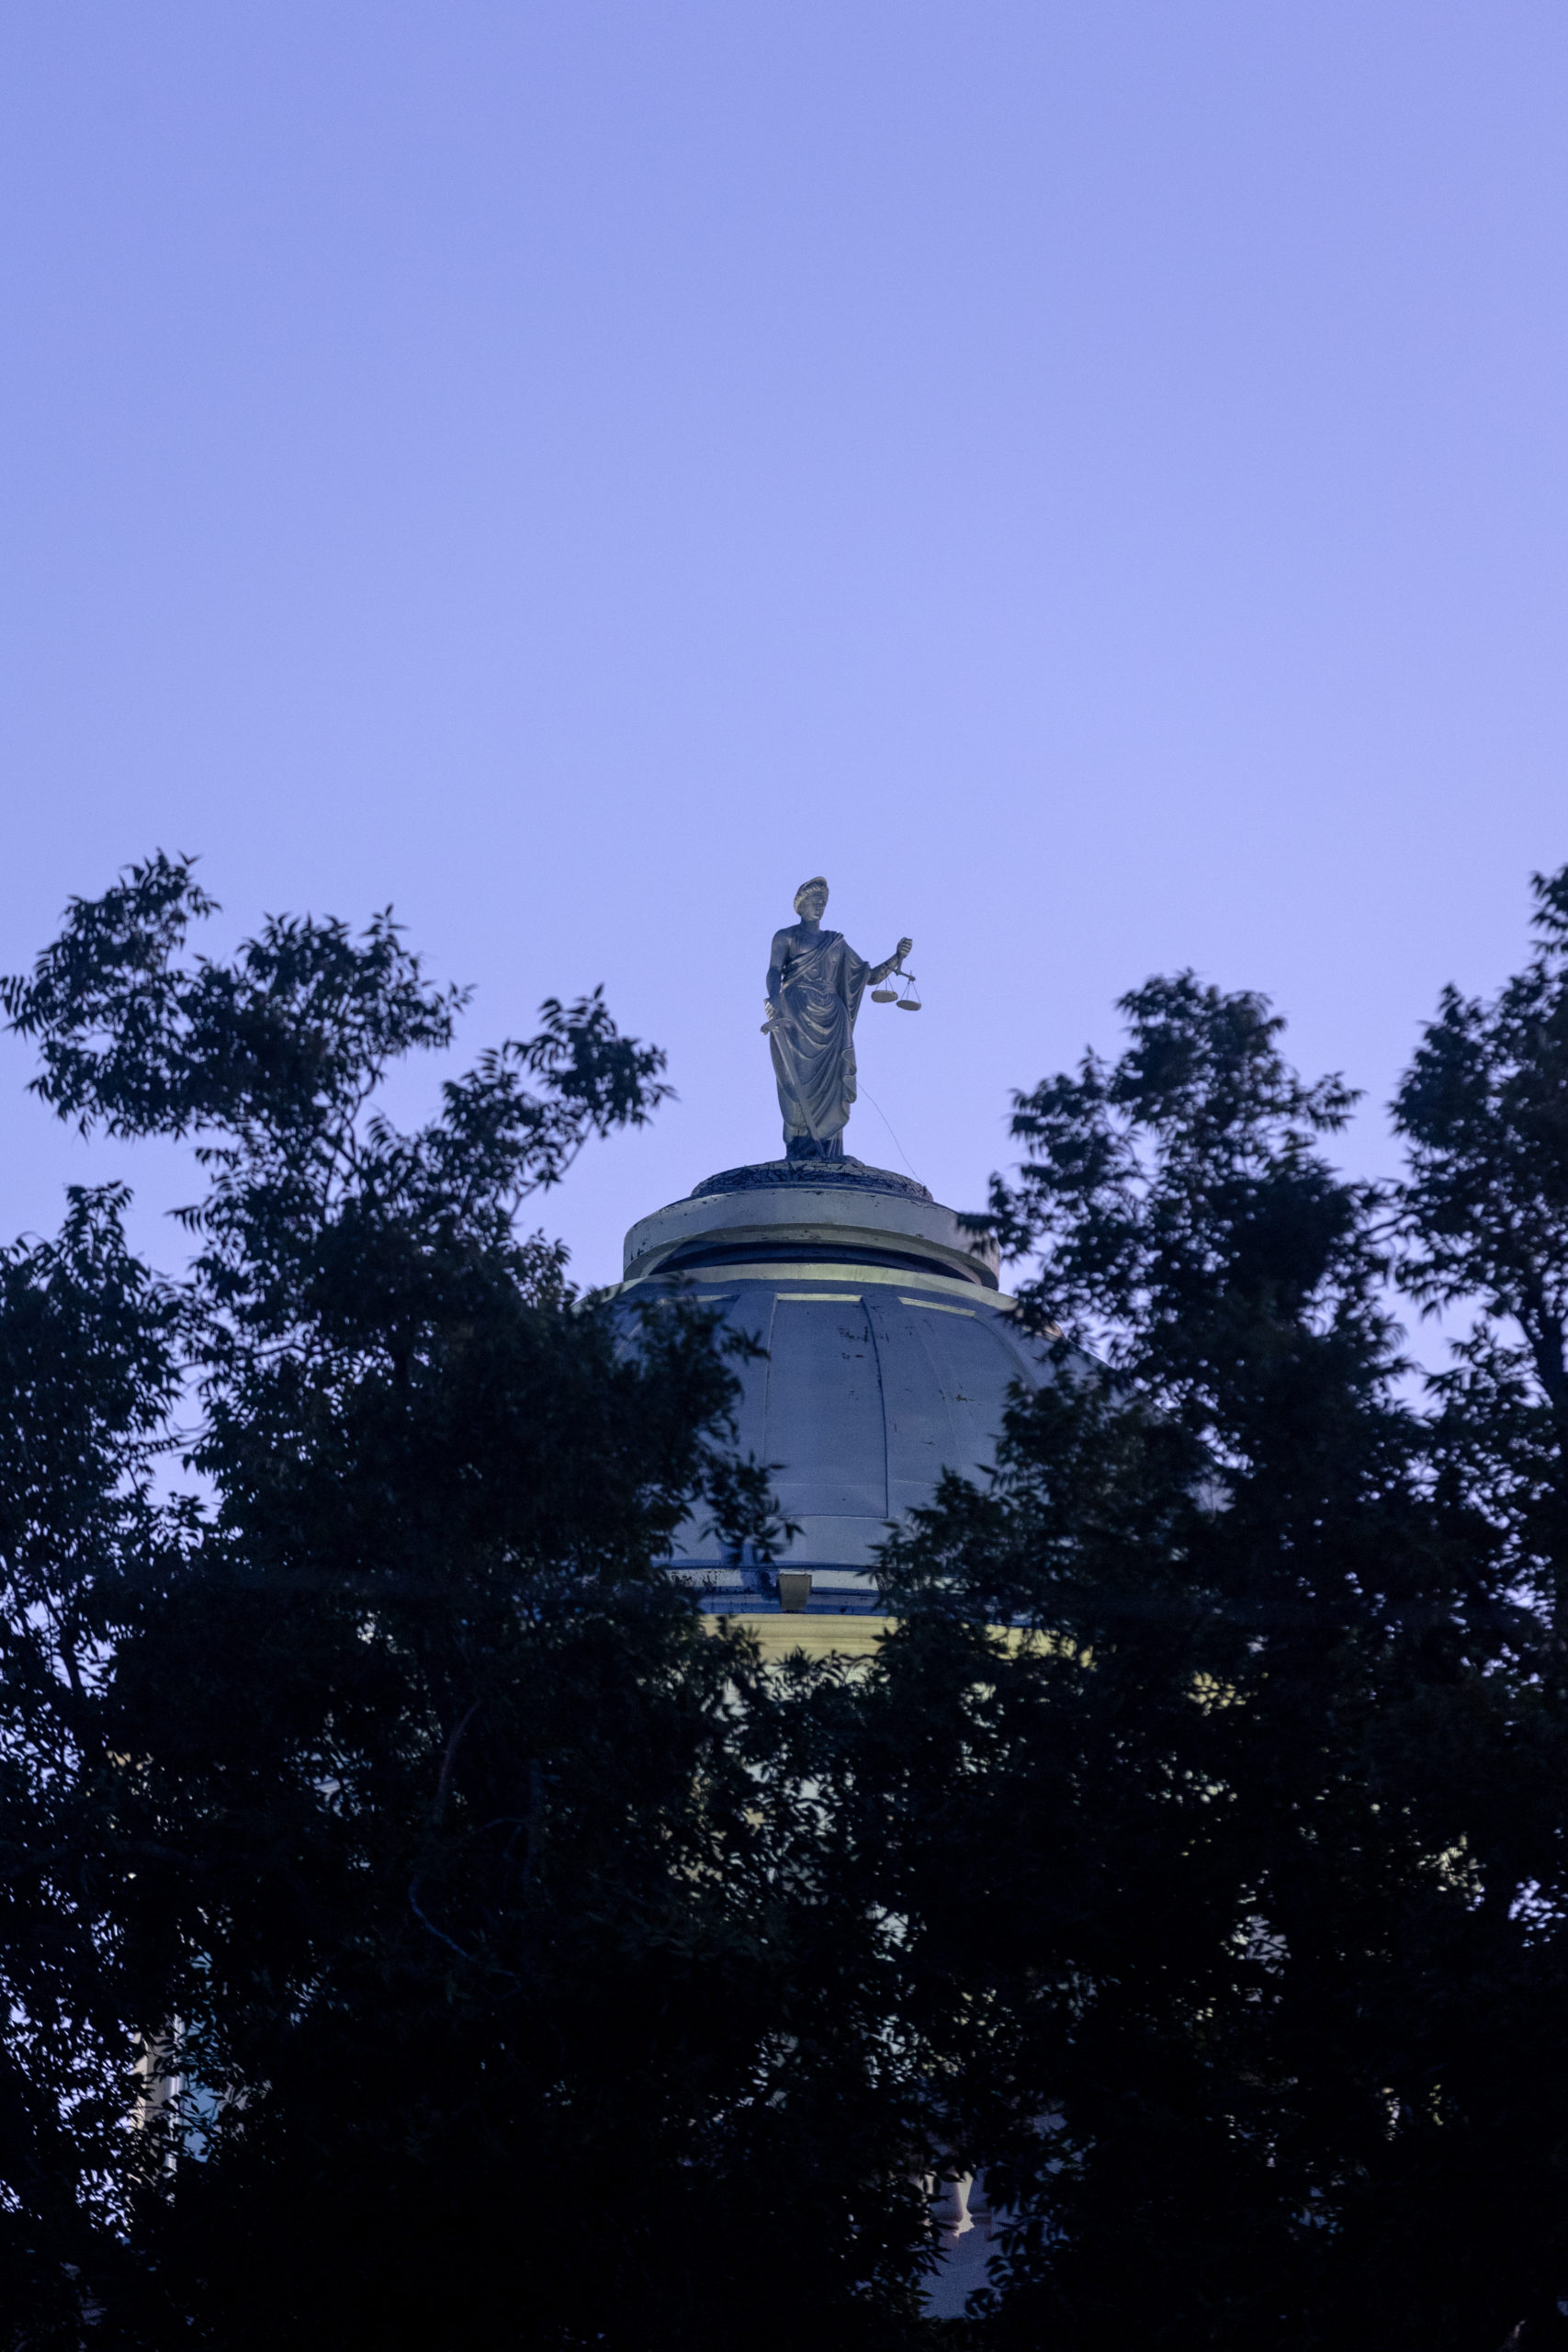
416 1930
383 1799
1225 1884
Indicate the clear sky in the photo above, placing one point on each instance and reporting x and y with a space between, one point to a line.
1090 478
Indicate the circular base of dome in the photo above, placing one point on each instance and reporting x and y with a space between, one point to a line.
809 1209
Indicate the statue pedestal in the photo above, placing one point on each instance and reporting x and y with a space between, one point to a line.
824 1207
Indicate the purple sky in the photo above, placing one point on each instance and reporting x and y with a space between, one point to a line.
1090 478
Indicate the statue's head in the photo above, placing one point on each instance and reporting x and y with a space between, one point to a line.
811 898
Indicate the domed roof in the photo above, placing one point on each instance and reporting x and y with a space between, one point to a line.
889 1353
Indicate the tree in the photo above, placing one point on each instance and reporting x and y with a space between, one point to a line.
1483 1217
464 1899
415 1928
88 1374
1201 1883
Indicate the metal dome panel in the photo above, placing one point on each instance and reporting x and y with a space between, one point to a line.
881 1368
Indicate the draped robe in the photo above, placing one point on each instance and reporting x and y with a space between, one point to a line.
813 1045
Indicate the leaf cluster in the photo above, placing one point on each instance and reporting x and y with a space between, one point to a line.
414 1926
417 1928
1232 1873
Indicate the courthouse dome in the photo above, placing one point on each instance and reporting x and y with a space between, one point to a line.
889 1353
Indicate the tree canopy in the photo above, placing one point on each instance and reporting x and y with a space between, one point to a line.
417 1928
379 1797
1223 1882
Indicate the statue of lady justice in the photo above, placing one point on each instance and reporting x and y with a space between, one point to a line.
814 984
